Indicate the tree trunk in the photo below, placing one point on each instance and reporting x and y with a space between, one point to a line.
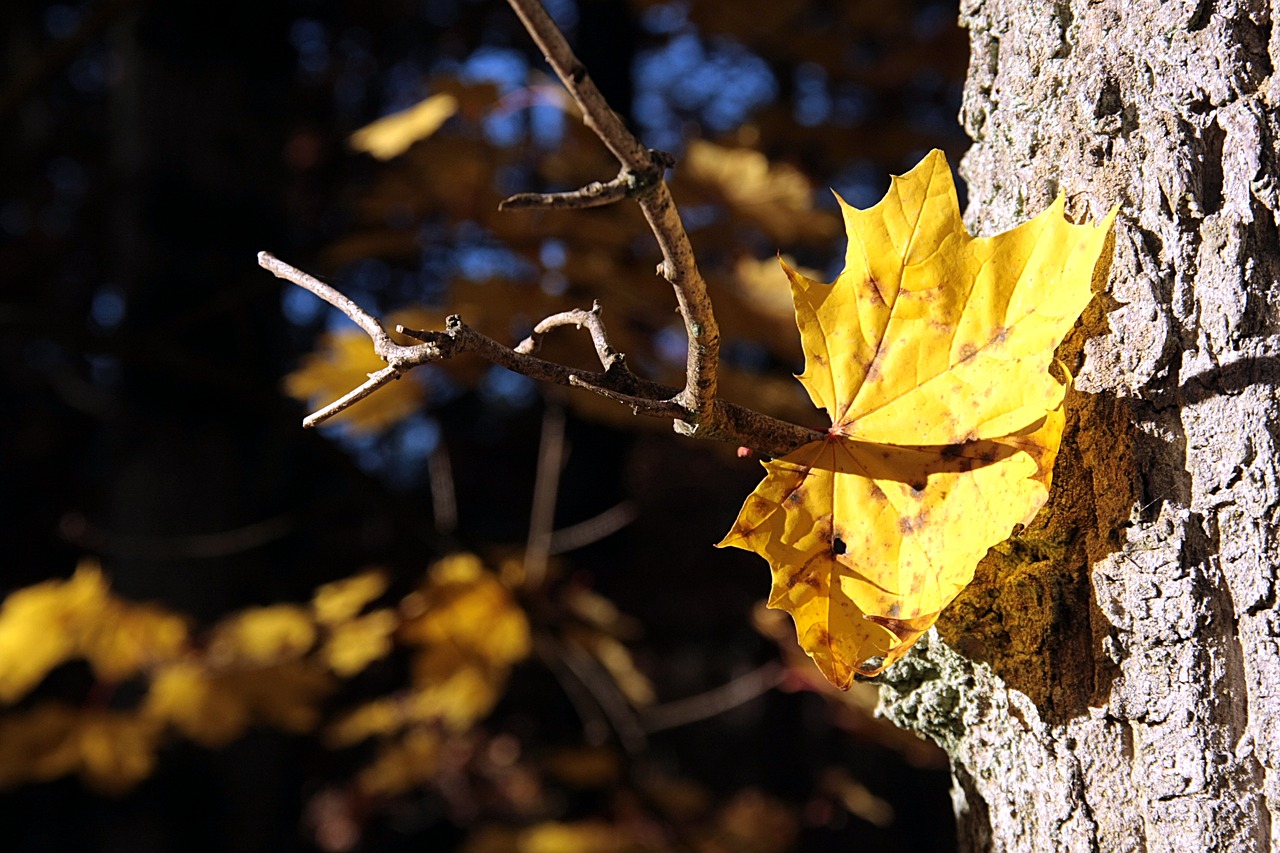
1111 681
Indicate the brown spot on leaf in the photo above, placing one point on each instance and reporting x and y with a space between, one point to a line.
1001 335
873 290
903 629
951 451
912 523
967 351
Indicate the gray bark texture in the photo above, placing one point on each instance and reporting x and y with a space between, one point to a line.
1111 680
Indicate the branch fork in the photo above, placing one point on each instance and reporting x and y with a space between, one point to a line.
695 409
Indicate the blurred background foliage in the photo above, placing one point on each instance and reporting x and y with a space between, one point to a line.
478 614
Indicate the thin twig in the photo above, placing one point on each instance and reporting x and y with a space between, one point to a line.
669 408
678 266
594 529
444 496
716 701
595 724
594 194
542 519
608 697
75 528
346 401
305 280
578 318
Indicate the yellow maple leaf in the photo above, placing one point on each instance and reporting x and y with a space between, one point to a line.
392 135
931 354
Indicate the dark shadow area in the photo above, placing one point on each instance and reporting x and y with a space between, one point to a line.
152 149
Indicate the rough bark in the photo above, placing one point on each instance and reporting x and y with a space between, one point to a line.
1112 679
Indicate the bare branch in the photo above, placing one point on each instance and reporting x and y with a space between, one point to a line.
724 421
679 266
596 112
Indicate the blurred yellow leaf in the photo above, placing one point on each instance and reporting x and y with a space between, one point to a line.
392 135
376 718
262 636
454 689
117 749
41 626
342 361
38 744
617 660
287 695
343 599
354 644
753 822
582 837
130 637
111 750
214 708
764 286
403 764
200 706
463 606
930 354
776 196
